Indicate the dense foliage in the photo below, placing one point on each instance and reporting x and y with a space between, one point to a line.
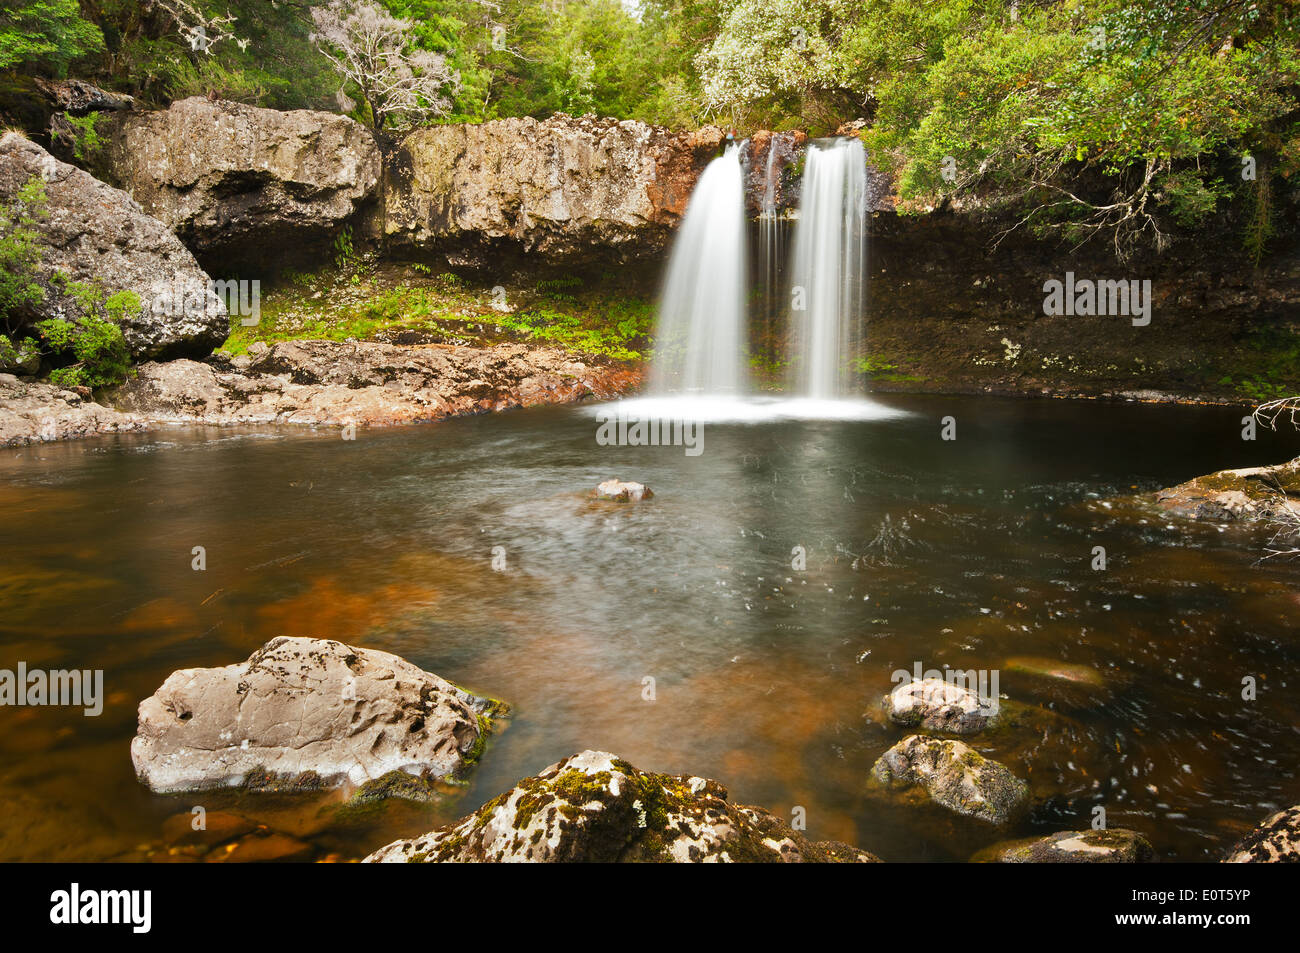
1114 118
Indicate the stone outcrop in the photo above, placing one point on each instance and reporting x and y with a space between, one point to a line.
1073 847
953 775
562 188
366 384
246 188
303 714
96 235
1276 840
595 807
1253 493
617 491
40 413
936 705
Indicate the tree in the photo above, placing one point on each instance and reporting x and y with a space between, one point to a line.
1096 118
372 49
48 34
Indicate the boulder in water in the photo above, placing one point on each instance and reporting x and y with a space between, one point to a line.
937 705
620 492
953 775
1073 847
1277 840
595 807
304 714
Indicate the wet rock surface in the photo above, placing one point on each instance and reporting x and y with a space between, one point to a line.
32 413
97 235
243 185
936 705
1252 493
954 776
363 383
618 491
1276 840
305 714
595 807
1073 847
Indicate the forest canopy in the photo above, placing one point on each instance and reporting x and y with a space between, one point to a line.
1114 117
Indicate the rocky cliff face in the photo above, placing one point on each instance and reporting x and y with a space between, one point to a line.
245 186
559 189
94 234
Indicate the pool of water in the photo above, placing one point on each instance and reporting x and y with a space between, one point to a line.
969 553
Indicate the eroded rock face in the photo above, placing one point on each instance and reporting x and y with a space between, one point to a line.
40 413
1277 840
595 807
954 775
244 185
936 705
619 491
96 235
562 188
365 383
305 714
1073 847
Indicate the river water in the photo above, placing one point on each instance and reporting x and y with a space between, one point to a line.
973 553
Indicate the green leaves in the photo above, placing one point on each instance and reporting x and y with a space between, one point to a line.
46 34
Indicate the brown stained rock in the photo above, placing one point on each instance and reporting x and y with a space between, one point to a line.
563 188
367 384
32 413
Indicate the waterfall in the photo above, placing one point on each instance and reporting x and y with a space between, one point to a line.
700 346
769 230
828 266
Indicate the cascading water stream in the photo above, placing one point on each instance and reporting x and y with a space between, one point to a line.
828 267
700 346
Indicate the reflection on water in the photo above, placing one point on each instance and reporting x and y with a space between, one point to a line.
974 554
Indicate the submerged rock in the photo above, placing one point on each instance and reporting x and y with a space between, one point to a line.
1073 847
1276 840
954 775
621 492
304 714
236 181
595 807
938 705
95 235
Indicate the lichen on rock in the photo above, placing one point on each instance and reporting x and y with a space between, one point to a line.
953 775
595 807
1276 840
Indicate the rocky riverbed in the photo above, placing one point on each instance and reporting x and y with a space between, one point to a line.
315 383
